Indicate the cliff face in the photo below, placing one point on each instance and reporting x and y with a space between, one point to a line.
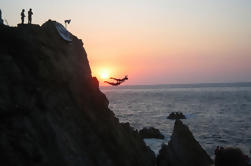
51 109
183 149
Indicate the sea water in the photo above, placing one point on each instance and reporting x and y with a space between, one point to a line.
217 114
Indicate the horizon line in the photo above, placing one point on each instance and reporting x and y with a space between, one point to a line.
163 84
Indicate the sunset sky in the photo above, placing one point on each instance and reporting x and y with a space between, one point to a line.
154 41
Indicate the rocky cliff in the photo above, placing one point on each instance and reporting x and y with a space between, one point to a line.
182 149
51 109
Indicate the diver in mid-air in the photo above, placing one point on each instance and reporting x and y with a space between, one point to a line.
118 81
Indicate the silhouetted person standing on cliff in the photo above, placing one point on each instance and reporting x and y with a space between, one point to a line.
1 20
30 16
22 16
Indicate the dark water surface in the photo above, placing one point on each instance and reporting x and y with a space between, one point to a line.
218 114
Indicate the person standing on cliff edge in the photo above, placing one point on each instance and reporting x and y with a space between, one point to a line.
1 20
30 16
22 16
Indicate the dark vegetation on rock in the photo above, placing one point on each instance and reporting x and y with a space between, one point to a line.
51 109
150 132
182 149
176 115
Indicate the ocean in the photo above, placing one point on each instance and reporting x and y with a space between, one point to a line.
217 114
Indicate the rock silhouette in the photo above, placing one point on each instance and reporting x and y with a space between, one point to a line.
231 157
176 115
52 111
150 132
182 149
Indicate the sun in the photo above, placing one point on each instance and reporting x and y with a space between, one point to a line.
104 74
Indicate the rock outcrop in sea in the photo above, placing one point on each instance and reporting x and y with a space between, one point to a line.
151 132
182 149
176 115
51 109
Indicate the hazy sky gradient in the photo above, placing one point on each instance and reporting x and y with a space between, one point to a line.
155 41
